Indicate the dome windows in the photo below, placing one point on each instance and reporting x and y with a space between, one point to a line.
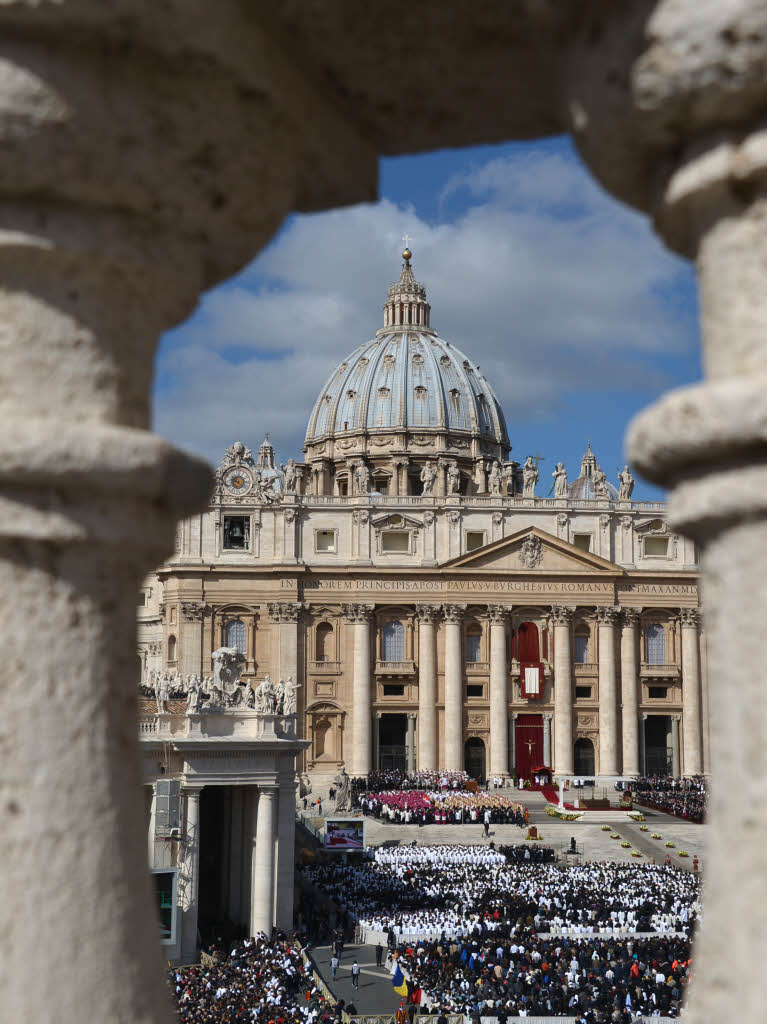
351 395
418 361
389 362
455 401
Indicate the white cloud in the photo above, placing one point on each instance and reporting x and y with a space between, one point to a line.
540 278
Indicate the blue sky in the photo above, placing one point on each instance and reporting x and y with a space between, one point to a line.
575 312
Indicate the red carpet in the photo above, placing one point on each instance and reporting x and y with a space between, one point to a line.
552 795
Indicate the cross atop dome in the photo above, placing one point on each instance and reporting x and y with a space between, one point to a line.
406 305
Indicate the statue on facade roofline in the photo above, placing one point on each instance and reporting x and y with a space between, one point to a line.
599 480
289 472
291 696
560 480
529 477
428 476
228 663
453 477
627 484
495 477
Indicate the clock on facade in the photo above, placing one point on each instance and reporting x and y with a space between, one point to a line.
238 481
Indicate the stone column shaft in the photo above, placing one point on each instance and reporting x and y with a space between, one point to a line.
427 689
362 749
189 880
675 759
263 865
410 744
547 740
563 692
630 692
286 842
608 693
151 828
513 744
499 697
453 688
692 752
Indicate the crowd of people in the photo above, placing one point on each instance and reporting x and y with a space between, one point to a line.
443 807
531 975
464 891
396 778
684 798
257 981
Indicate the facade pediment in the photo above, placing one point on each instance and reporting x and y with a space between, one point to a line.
396 521
532 550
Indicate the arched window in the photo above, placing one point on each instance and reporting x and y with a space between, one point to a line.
581 647
324 642
656 644
235 634
171 648
393 641
473 643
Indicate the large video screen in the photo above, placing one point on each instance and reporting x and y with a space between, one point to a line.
343 834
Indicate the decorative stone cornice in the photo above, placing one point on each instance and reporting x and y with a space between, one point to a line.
358 612
497 612
453 612
284 611
689 618
561 614
607 615
427 613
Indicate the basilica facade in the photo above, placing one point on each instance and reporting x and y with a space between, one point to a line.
438 607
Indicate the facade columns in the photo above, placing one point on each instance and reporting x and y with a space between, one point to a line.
285 615
151 827
189 875
630 691
563 691
453 687
428 740
499 696
643 743
410 742
362 751
608 692
547 740
692 752
675 758
513 744
262 860
286 843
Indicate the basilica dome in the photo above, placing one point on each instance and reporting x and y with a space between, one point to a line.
407 379
583 487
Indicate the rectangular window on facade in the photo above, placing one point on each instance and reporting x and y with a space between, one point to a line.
658 692
656 547
475 690
142 599
474 539
583 693
582 541
395 542
393 690
325 541
236 533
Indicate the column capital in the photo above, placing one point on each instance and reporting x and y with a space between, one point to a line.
607 615
689 618
630 616
453 612
412 715
562 614
356 613
268 789
548 716
427 613
284 611
498 612
194 611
